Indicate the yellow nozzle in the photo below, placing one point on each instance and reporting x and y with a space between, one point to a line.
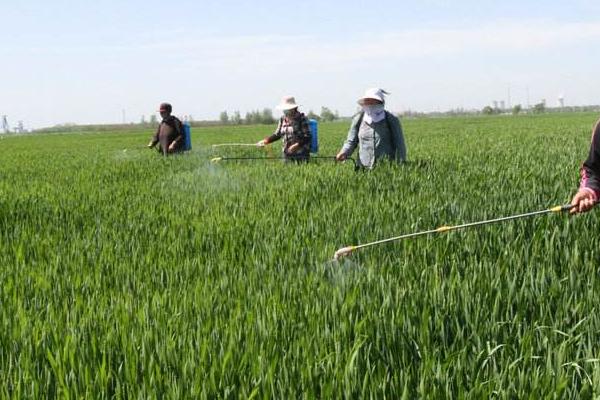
216 159
442 229
556 209
343 252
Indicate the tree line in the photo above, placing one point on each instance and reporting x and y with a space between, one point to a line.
266 117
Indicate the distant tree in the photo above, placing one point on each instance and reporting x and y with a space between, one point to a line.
251 117
224 117
267 116
517 109
143 120
487 110
539 108
256 117
312 115
236 118
327 115
153 119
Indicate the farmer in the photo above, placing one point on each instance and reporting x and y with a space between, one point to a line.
170 133
293 129
376 132
589 188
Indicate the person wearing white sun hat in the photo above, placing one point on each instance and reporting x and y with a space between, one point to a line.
376 132
293 129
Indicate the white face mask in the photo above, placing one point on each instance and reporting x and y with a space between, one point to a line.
374 113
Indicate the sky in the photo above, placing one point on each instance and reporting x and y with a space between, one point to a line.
99 61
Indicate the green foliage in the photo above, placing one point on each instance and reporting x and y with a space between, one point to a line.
327 115
124 274
539 108
516 110
224 117
488 110
236 118
264 117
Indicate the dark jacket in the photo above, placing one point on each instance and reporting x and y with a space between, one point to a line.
169 131
590 171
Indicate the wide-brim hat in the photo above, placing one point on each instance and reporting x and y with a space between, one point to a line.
375 94
287 103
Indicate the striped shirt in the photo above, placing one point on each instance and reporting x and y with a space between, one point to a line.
293 130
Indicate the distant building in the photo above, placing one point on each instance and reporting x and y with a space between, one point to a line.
5 126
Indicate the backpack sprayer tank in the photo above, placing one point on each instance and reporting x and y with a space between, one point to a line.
187 136
314 135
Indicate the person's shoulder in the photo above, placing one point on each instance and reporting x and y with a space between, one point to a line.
173 122
391 116
357 117
393 120
301 118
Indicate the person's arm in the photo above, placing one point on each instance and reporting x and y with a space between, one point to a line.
589 187
590 171
351 141
398 139
179 139
275 136
154 139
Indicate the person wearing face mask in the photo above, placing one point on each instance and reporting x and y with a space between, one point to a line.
376 132
293 129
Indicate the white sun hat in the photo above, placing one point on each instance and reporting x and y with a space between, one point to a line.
287 103
373 93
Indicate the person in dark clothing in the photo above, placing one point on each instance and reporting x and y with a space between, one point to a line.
294 130
169 134
589 188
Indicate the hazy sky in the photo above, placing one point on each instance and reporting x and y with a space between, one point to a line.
85 61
